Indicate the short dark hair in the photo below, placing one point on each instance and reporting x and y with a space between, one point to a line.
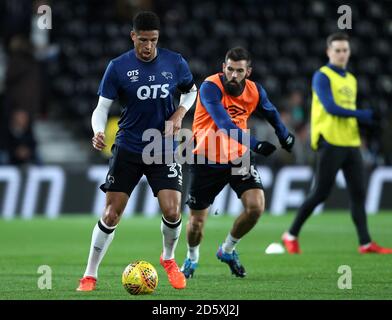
337 36
146 21
237 54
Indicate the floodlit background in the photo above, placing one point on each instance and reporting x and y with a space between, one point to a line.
48 168
49 79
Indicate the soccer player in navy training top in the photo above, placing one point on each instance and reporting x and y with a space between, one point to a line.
146 77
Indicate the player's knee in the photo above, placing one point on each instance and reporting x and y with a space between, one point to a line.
254 211
171 213
196 224
320 193
112 216
320 197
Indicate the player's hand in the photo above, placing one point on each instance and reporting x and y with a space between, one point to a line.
98 141
288 142
174 124
265 148
377 114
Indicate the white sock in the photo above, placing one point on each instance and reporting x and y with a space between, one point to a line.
193 253
100 242
171 232
230 243
289 236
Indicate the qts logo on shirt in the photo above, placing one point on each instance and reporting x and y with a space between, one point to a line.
133 75
153 91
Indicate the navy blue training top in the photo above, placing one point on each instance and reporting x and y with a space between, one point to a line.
147 89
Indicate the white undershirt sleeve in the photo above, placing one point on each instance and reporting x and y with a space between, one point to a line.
187 99
100 114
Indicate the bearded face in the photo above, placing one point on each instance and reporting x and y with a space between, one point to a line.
233 87
235 74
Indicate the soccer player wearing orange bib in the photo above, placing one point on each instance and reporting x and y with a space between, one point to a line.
225 102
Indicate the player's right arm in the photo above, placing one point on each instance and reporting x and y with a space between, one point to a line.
321 85
108 91
210 96
98 122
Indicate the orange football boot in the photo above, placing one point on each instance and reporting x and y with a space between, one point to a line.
292 246
87 284
175 276
374 248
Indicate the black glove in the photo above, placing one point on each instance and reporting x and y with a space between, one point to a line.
265 148
288 142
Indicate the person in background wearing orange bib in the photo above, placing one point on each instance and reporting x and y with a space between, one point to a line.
225 102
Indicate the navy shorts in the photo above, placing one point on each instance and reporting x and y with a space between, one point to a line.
126 168
207 181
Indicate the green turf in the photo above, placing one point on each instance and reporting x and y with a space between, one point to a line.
328 241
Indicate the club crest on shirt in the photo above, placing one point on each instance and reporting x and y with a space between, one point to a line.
167 75
110 179
346 91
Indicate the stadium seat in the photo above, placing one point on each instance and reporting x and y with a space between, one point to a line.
278 48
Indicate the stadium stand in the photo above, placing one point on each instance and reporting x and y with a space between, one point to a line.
286 39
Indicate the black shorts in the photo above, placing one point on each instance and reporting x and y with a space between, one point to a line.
126 168
207 181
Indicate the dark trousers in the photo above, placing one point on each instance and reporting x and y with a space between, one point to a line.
330 160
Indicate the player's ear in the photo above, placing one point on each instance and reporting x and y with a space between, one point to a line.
223 67
248 72
133 35
327 51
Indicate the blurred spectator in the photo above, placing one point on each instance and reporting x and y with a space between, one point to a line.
23 78
44 52
281 157
296 108
3 135
264 131
21 140
126 9
387 139
302 151
40 38
97 31
16 18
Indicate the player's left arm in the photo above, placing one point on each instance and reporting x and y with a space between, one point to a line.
269 111
188 90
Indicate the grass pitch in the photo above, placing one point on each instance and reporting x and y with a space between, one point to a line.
327 241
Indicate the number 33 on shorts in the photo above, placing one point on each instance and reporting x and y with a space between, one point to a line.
175 170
